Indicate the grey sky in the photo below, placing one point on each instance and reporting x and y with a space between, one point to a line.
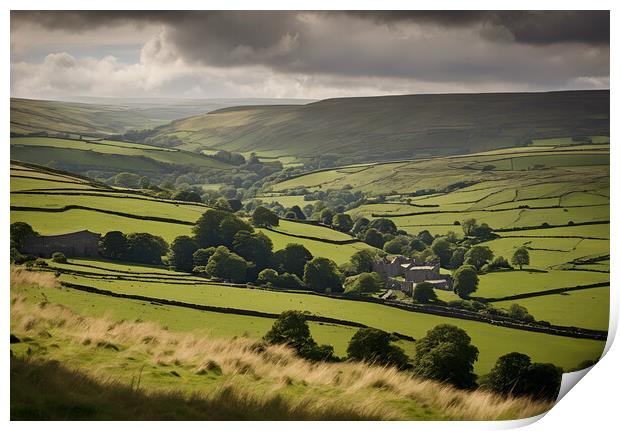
304 54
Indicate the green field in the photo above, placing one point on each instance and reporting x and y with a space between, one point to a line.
493 341
583 308
106 155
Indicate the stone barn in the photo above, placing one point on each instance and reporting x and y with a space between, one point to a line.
75 244
403 274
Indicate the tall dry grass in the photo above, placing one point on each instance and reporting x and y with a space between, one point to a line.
277 364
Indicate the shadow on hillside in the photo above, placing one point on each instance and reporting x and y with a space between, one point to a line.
45 390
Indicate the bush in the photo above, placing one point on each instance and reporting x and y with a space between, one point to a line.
374 346
41 263
59 257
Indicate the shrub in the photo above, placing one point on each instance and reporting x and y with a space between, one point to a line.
59 257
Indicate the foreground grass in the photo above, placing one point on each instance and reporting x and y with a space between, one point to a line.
138 370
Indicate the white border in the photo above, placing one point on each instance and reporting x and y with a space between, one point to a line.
592 405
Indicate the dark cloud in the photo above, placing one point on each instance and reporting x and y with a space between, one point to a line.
397 49
532 27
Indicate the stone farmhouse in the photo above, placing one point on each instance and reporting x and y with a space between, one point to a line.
403 273
74 244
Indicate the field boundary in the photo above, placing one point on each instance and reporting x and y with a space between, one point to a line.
572 332
543 292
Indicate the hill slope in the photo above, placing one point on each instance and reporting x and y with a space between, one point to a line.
380 128
101 115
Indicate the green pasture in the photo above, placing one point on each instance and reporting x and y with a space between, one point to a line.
339 253
140 207
312 230
594 231
20 184
508 283
74 220
583 308
286 201
493 341
549 252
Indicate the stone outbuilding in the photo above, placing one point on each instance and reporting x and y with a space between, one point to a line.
75 244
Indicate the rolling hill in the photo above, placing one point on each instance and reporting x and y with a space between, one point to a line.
101 115
395 127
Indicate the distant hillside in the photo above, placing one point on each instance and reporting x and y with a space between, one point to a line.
391 127
102 115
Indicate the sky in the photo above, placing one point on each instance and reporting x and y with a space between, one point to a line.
304 54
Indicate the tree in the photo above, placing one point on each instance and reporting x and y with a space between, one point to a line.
299 214
374 346
187 196
396 245
373 237
499 262
207 228
222 204
326 216
127 179
478 255
543 381
268 276
143 247
235 205
521 257
291 329
384 226
253 246
113 245
360 225
263 217
446 354
469 226
292 259
59 257
458 257
227 265
230 226
145 183
443 249
362 284
426 237
514 374
202 255
465 281
363 260
20 233
342 222
424 293
216 227
182 250
519 312
417 245
507 377
322 275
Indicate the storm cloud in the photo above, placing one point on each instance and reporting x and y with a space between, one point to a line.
311 54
